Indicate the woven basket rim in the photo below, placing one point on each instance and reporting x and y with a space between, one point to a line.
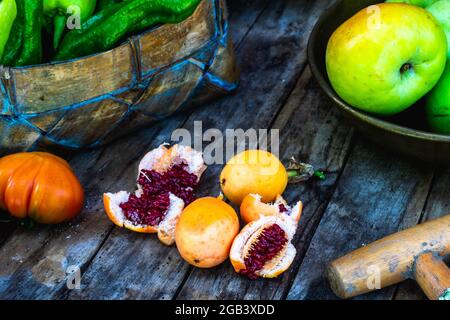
129 41
134 62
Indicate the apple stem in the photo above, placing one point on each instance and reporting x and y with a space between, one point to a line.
405 68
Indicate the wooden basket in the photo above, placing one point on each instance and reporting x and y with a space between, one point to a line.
90 101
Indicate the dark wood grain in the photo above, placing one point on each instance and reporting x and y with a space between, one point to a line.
6 228
376 192
437 205
241 24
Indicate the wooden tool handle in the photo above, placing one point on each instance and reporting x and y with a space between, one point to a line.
433 276
388 260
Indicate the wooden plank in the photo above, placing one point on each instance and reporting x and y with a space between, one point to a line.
372 199
241 24
437 206
312 131
241 111
6 229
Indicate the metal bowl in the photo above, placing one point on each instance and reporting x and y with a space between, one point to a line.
405 133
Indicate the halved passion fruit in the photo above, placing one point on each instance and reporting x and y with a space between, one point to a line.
252 208
263 248
166 182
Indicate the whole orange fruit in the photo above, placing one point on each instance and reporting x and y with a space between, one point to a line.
205 232
253 171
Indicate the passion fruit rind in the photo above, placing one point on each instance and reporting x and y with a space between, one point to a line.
263 248
163 158
252 208
166 181
165 229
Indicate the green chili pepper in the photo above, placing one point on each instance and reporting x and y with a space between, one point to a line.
61 10
152 20
31 51
106 31
103 4
8 13
14 44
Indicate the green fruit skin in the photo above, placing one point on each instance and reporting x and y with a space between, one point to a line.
441 11
8 13
365 62
438 104
419 3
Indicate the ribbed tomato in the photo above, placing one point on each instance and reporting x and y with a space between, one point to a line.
40 186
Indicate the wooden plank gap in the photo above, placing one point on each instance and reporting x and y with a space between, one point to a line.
314 221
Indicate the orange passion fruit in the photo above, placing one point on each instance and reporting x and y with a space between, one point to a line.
205 232
253 172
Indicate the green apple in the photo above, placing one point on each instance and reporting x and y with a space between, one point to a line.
441 11
386 57
420 3
438 104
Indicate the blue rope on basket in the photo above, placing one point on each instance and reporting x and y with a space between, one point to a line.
90 101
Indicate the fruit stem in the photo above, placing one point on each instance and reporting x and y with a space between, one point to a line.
317 174
292 173
405 68
299 172
320 175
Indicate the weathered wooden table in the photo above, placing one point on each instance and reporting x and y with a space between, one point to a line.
368 193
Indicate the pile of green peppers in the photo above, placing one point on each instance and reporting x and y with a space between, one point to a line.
57 13
8 13
37 31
